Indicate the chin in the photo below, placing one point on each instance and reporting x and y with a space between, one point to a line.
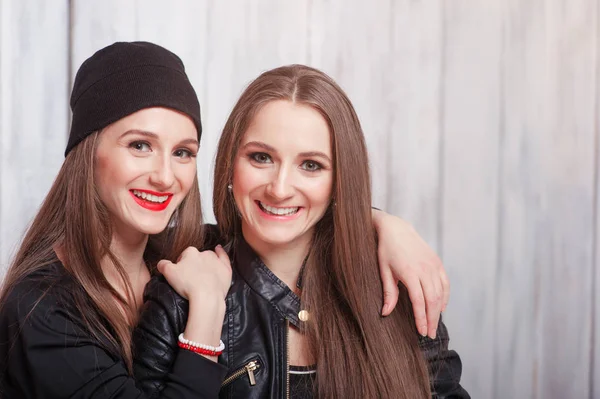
278 238
154 231
154 228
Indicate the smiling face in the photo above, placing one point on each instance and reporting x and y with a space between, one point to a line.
145 166
283 174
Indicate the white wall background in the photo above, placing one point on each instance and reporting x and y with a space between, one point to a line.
481 118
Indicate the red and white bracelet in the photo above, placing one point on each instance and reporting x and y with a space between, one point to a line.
199 348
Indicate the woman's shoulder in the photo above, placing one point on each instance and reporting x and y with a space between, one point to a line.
161 298
158 289
38 292
48 305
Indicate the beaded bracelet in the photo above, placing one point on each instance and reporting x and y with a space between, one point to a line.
201 349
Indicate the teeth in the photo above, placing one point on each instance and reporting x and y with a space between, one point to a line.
150 197
279 211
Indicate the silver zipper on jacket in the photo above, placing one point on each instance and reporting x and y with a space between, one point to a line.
249 369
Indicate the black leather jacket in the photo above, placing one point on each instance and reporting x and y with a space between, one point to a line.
259 308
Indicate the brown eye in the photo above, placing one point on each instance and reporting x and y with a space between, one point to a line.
141 146
311 166
260 157
183 153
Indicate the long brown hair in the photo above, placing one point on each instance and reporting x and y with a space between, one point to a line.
73 218
358 353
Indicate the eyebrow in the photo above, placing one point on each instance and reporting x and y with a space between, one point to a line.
308 154
312 154
155 136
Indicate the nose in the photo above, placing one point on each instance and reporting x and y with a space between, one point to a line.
162 176
281 185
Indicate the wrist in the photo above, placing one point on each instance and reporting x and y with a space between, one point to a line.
205 321
208 351
203 295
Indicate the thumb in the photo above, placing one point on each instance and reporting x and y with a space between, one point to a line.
162 265
390 291
222 255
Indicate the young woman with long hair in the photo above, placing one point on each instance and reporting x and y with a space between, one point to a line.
71 296
294 200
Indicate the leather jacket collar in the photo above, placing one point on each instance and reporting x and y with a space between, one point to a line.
264 282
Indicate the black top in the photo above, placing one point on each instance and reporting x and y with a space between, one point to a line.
47 352
302 381
260 309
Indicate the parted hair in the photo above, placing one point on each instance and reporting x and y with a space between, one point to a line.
358 353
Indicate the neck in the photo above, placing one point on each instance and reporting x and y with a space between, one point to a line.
286 260
129 251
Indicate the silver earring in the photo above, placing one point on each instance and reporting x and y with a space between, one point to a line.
230 187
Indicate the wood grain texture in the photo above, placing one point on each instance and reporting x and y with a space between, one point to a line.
33 109
547 155
96 24
481 119
470 139
387 56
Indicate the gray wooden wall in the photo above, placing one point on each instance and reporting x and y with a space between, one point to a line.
481 117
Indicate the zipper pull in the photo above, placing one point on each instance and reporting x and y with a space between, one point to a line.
250 367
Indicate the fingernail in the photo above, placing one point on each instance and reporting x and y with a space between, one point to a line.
433 335
423 331
385 309
219 246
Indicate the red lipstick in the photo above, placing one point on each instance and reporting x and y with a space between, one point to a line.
150 205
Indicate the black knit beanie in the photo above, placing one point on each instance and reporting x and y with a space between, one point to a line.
123 78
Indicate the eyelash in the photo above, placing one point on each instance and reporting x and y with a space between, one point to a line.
134 145
190 154
318 166
254 157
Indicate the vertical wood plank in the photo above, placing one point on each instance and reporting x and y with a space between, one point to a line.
545 274
98 23
245 39
387 57
34 111
471 131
